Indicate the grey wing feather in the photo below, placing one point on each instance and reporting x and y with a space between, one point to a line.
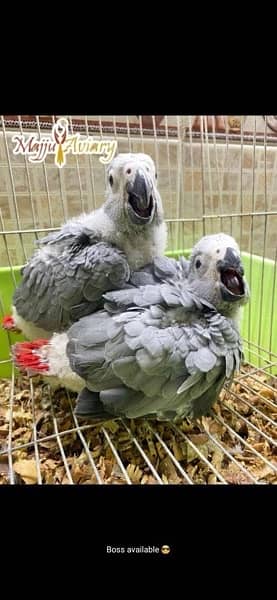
161 269
173 368
71 233
170 294
141 297
56 291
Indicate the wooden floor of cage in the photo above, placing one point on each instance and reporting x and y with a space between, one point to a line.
42 442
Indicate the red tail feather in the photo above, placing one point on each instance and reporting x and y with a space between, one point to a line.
27 356
8 323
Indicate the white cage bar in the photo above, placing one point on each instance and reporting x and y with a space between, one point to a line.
214 174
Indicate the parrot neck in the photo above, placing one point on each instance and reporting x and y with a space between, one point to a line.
236 317
141 244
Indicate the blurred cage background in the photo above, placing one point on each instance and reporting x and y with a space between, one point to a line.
215 173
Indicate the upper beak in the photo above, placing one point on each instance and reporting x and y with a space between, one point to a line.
231 261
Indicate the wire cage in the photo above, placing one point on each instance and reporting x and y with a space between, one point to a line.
215 173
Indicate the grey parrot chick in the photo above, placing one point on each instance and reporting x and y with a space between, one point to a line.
163 351
168 355
93 253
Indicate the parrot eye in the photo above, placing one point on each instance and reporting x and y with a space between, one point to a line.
111 180
128 171
198 264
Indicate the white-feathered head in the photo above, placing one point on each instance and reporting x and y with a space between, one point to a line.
216 272
132 184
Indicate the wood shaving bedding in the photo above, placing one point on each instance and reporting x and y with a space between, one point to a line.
253 394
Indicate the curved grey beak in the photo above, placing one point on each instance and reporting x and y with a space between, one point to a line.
140 199
231 261
140 190
231 274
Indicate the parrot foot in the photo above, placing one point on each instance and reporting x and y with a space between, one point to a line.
89 406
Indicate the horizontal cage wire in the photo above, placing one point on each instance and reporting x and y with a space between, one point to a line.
215 173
